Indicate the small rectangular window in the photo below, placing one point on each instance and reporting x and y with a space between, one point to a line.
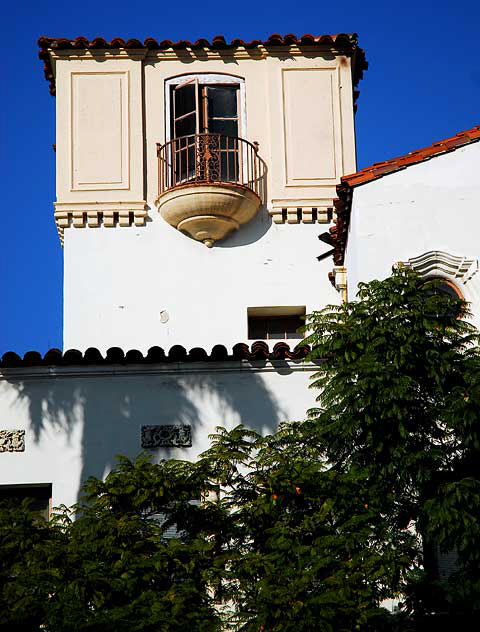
39 497
275 323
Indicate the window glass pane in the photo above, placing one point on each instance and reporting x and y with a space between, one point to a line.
446 288
222 101
229 128
294 335
275 327
185 99
38 497
439 287
257 328
292 324
185 126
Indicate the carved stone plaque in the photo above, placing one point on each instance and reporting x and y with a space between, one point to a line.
167 436
12 440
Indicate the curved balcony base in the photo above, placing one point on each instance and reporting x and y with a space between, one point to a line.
208 212
208 228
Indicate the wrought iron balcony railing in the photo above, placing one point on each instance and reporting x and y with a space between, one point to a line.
210 159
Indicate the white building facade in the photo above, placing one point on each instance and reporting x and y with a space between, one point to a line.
418 210
193 181
165 148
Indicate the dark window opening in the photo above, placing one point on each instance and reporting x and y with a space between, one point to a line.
272 324
38 497
207 108
204 127
446 289
443 288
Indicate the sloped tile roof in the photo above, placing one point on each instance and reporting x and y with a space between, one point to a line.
347 43
156 355
378 170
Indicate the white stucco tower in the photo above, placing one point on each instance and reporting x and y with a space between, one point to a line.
191 179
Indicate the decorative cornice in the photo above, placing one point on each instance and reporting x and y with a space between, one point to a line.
301 212
101 55
94 214
438 263
341 44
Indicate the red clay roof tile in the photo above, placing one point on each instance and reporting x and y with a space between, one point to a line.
346 43
258 350
382 169
379 169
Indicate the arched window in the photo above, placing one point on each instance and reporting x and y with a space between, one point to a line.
449 273
205 103
444 288
205 122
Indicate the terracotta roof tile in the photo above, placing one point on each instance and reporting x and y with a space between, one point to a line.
258 350
382 169
344 42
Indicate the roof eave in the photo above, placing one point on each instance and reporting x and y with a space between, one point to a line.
343 43
348 183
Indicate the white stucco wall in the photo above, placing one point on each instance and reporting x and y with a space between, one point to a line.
78 418
118 280
434 205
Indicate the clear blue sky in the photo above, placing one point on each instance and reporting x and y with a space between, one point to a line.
423 85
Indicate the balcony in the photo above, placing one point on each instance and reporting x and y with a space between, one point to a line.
209 184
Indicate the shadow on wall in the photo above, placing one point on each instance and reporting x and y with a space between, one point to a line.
257 227
113 408
249 233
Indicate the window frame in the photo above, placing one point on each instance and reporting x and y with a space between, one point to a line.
442 279
277 313
196 111
30 487
446 281
205 79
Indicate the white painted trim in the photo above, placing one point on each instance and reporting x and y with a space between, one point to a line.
438 263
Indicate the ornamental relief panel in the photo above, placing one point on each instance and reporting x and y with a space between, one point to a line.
12 440
166 436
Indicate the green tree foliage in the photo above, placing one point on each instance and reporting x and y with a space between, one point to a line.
112 568
305 530
399 396
304 550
